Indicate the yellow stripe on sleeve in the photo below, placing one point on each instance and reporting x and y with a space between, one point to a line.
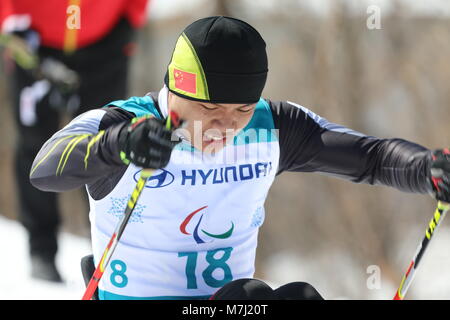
90 144
48 153
81 138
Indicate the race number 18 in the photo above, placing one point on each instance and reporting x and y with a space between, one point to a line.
214 263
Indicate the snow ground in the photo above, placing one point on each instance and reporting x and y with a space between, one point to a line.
16 283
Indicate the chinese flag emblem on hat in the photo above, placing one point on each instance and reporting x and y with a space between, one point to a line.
185 81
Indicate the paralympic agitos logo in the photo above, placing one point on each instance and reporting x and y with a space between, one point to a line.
196 235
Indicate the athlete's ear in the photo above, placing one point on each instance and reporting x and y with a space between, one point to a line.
169 99
172 103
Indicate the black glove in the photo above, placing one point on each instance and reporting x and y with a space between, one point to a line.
440 174
146 142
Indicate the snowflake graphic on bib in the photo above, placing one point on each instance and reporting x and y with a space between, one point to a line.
118 206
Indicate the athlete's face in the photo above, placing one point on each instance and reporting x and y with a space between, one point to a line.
210 126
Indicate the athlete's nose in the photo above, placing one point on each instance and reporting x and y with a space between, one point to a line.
224 121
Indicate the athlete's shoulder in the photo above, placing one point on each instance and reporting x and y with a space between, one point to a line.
286 108
138 105
288 114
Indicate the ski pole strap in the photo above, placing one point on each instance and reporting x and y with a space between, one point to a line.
439 214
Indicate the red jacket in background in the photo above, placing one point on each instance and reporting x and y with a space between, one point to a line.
97 18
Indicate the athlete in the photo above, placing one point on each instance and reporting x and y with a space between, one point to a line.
193 233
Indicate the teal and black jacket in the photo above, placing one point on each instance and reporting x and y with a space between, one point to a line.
86 152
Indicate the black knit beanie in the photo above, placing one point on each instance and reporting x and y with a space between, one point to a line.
220 60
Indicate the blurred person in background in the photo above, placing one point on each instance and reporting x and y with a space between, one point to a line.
63 57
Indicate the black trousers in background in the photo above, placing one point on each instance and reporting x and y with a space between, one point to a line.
103 71
254 289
